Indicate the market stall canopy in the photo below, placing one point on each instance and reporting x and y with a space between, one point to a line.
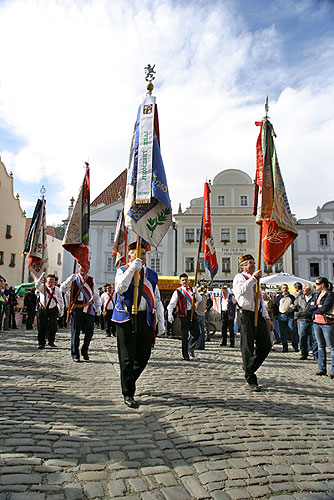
281 278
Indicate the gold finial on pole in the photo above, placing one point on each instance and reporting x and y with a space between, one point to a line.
149 77
42 191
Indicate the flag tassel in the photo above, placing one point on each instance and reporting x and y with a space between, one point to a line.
256 311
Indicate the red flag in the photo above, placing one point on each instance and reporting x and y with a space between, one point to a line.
38 256
210 257
76 238
271 205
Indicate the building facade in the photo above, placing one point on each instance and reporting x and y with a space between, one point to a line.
233 225
12 230
314 246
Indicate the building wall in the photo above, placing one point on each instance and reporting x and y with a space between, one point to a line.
314 246
13 216
234 213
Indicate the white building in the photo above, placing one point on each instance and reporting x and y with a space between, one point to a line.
233 224
314 246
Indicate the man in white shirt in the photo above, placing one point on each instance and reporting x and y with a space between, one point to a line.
255 341
51 305
182 298
108 303
227 307
85 304
135 333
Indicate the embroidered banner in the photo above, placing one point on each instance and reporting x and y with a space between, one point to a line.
145 151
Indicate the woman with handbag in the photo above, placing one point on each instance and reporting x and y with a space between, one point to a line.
323 323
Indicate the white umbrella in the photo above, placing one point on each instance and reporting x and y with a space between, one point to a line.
281 278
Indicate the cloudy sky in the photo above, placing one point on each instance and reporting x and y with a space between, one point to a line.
72 77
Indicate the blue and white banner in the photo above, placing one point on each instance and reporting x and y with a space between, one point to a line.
150 220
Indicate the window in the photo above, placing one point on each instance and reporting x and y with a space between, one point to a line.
59 259
201 266
1 258
110 264
267 268
241 235
190 235
243 201
111 238
279 266
314 269
12 260
155 264
323 239
190 265
225 235
8 231
226 265
221 201
198 233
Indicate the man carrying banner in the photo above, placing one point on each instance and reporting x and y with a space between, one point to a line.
51 305
182 298
134 344
85 303
108 303
255 340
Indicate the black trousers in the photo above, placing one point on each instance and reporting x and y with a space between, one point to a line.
47 325
31 313
109 324
186 327
81 322
134 351
227 324
255 343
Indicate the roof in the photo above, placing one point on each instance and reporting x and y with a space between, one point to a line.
50 230
113 192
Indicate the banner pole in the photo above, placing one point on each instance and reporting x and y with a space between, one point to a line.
71 294
256 312
136 289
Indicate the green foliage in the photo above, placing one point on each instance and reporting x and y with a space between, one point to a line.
159 220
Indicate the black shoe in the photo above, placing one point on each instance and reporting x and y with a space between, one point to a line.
254 387
108 334
223 345
186 359
41 346
76 359
52 345
129 401
85 356
321 372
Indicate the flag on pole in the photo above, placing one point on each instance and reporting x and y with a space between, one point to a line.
271 206
76 237
120 241
36 242
147 206
210 257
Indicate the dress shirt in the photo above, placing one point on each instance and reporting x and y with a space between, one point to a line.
105 298
244 292
122 282
66 286
57 298
173 301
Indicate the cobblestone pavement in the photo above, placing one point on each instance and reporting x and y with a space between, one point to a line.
199 433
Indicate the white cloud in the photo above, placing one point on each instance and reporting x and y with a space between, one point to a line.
72 77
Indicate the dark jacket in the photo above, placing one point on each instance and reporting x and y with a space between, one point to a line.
302 309
326 303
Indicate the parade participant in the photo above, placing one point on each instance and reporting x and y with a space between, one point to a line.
284 309
51 306
85 304
182 298
108 303
30 303
201 310
227 305
304 321
134 343
255 341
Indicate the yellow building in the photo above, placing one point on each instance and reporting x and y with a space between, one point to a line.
12 229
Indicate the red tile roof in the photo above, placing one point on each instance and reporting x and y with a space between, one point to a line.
113 192
51 230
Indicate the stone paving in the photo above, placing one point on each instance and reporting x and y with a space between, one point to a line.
199 433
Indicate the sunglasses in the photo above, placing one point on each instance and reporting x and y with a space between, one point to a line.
317 283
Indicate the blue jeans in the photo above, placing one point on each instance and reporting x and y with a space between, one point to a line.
305 335
287 324
324 335
201 338
315 343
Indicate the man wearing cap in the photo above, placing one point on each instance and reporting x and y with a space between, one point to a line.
182 298
51 305
108 303
85 304
135 336
255 341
